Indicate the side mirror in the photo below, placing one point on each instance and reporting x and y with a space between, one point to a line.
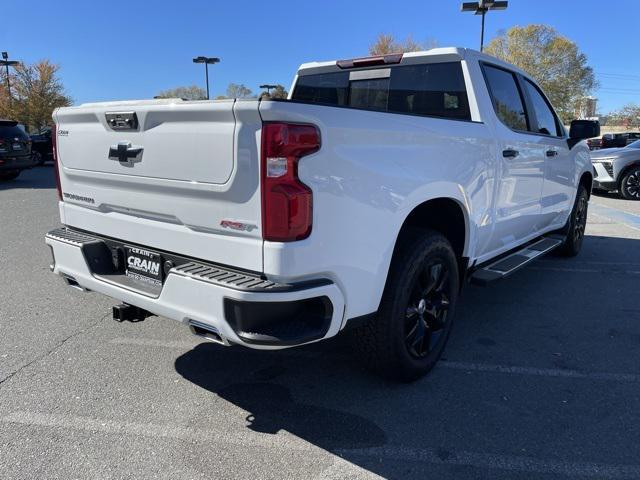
583 129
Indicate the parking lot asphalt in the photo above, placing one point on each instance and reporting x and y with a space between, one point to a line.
541 379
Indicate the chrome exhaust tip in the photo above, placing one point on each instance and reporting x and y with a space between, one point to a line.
73 283
208 332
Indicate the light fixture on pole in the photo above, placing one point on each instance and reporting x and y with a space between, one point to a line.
8 63
481 7
268 87
207 61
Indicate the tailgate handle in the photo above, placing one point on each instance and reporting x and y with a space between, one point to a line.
124 152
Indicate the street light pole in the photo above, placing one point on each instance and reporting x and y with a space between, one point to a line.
482 31
268 87
206 74
7 63
207 61
481 7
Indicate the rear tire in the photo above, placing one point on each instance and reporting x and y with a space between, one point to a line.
576 225
10 175
630 184
408 335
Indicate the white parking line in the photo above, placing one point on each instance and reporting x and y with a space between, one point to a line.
286 441
172 431
149 342
628 219
590 262
610 219
586 270
345 470
540 372
178 345
466 366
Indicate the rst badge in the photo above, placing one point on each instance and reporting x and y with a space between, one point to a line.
235 225
143 265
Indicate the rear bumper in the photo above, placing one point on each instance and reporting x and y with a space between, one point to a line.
16 163
244 309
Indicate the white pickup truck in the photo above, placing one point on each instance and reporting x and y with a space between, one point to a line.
362 202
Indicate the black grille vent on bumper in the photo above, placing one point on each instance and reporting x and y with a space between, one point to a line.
609 168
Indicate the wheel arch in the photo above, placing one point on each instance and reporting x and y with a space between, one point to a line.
446 215
586 179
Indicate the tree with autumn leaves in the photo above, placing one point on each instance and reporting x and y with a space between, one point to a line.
554 61
36 91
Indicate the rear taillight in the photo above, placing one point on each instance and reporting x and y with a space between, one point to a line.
54 143
286 201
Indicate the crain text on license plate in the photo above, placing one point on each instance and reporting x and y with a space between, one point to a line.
143 265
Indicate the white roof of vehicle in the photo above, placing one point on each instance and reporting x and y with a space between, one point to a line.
440 54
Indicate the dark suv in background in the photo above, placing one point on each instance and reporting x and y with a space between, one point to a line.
619 140
15 150
41 146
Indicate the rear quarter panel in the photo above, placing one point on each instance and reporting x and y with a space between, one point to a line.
372 170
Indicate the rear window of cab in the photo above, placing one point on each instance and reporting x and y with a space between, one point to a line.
432 90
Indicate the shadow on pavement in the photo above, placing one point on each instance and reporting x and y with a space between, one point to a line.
320 394
37 178
271 405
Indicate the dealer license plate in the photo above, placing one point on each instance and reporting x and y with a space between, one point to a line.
143 265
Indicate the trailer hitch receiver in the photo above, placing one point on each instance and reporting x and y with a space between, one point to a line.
130 313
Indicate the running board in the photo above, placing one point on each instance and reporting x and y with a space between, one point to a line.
515 260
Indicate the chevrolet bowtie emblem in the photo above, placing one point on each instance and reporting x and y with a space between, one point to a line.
124 152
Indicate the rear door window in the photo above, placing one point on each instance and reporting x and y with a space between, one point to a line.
506 97
434 90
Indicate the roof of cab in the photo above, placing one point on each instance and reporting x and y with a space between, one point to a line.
440 54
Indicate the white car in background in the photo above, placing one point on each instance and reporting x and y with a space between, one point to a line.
618 169
362 202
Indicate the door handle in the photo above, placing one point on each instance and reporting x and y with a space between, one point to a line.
552 153
509 153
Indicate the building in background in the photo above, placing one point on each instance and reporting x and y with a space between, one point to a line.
586 108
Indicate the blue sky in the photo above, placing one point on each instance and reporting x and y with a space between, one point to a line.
132 49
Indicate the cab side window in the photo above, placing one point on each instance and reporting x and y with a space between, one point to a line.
547 123
506 97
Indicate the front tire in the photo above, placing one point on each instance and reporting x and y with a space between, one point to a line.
413 323
576 225
630 184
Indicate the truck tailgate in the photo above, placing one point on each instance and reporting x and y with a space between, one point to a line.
167 174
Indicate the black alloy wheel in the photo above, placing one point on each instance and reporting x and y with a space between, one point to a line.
428 309
409 332
576 225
